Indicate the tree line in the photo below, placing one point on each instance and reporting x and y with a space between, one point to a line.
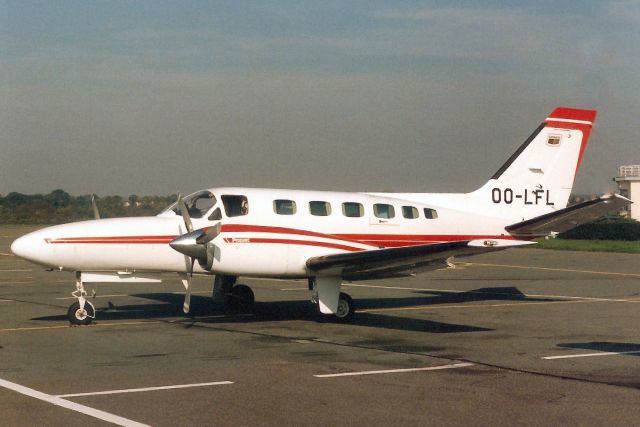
59 207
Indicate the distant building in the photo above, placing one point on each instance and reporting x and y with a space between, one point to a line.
628 180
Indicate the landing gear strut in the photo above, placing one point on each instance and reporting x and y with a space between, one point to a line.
82 311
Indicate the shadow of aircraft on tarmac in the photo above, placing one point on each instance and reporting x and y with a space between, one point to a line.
206 310
631 349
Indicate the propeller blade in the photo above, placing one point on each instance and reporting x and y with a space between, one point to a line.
209 234
96 213
193 261
185 213
186 281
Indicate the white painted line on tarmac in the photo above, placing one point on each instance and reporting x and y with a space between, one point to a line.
566 270
606 353
465 306
193 292
138 390
16 270
401 288
3 254
55 400
490 293
396 371
69 326
97 296
132 323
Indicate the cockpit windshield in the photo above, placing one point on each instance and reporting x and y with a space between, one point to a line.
198 204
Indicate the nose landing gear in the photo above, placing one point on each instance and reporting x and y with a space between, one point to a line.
82 311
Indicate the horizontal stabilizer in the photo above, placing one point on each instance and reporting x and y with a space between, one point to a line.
568 218
402 261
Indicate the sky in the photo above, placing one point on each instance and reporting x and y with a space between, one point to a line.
160 97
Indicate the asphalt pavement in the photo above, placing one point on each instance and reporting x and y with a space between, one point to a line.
519 337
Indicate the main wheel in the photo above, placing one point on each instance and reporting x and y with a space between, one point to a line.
78 316
240 300
346 308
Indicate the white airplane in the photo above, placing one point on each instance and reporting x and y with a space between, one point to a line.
328 237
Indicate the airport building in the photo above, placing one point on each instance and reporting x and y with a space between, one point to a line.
628 180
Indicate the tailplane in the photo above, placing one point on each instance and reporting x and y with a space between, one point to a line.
538 178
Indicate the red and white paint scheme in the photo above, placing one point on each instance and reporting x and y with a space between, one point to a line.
328 237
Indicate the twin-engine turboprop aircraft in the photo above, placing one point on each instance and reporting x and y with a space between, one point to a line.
328 237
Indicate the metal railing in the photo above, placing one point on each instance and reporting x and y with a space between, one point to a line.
631 170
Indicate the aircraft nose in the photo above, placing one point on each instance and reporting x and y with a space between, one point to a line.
26 246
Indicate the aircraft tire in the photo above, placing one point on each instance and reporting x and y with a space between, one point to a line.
346 308
241 300
81 317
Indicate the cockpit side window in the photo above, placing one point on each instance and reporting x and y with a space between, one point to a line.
198 204
201 205
235 205
216 215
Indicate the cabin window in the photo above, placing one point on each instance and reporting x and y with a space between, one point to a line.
430 213
284 207
317 208
235 205
381 210
409 212
352 209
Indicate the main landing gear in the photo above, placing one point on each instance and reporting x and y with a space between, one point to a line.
346 308
323 294
237 299
82 311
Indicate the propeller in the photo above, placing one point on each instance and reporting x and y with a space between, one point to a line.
194 245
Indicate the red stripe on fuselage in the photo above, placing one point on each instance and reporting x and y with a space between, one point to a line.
397 240
115 240
241 228
375 240
293 242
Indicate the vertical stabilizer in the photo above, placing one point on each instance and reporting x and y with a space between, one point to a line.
538 177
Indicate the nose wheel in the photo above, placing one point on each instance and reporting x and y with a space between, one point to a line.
81 315
81 312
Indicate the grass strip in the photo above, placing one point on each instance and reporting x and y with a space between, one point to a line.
632 247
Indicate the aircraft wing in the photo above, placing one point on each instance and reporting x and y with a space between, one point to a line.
403 261
568 218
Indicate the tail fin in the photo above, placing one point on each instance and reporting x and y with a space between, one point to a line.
538 177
